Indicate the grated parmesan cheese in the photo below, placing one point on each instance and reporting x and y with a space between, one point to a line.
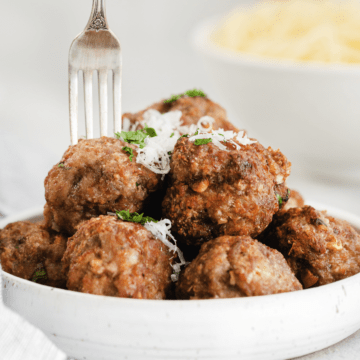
221 135
161 230
156 154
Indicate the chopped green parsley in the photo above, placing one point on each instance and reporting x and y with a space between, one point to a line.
202 141
126 215
185 135
129 151
137 137
288 194
172 135
285 199
190 93
61 165
39 274
150 131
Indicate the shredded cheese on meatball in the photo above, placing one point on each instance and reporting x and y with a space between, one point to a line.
221 135
156 154
161 230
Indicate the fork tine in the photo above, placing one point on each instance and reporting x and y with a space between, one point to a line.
88 104
117 99
73 101
103 101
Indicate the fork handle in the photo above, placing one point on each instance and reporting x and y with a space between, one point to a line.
97 19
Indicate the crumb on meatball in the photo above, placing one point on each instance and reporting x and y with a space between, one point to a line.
192 108
214 192
107 256
94 177
319 248
236 266
28 250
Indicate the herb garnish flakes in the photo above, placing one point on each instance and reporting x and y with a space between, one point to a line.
126 215
39 274
185 135
150 131
202 141
173 98
195 92
172 135
129 151
190 93
137 137
285 199
61 165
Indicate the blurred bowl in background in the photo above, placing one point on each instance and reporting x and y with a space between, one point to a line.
310 111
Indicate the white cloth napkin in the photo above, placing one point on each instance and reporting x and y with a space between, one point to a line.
19 340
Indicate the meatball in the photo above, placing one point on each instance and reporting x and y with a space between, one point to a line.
111 257
319 248
31 252
236 266
214 192
295 200
94 177
192 108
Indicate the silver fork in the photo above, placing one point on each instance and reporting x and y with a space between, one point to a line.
95 49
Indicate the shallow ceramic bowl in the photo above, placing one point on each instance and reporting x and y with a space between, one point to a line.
310 111
265 327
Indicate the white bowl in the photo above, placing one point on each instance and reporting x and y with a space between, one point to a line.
265 327
310 111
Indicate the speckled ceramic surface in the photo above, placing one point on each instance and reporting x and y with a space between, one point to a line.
266 327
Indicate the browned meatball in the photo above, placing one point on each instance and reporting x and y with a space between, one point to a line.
295 200
236 266
319 248
94 177
29 251
192 108
215 192
111 257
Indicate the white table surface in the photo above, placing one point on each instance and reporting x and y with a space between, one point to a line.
348 349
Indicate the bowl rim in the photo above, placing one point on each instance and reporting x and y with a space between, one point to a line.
353 219
200 41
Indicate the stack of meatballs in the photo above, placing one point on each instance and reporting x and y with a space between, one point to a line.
243 232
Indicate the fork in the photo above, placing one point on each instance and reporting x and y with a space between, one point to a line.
95 49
